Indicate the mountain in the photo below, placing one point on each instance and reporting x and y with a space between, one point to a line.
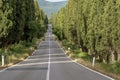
51 7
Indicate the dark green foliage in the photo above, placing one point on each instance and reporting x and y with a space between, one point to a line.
20 20
5 22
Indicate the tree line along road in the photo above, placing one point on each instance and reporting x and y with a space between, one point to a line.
49 62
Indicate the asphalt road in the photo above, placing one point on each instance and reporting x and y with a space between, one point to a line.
49 62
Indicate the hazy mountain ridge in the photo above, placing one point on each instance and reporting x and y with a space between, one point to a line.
51 7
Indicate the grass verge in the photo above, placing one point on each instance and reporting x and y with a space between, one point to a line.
18 52
112 70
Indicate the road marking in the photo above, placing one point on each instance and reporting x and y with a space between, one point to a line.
87 67
3 70
41 63
21 61
16 64
47 58
45 55
48 72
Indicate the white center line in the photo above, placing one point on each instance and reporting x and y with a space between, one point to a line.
48 72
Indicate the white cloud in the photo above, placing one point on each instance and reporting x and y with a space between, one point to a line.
55 0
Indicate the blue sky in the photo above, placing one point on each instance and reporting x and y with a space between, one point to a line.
55 0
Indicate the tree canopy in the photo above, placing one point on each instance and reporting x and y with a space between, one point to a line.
92 25
20 20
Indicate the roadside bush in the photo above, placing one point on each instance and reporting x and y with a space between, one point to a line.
82 55
17 48
115 68
69 44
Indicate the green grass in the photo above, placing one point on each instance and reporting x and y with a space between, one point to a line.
113 68
82 54
18 52
109 69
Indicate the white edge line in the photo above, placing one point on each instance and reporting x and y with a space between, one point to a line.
2 70
15 64
87 67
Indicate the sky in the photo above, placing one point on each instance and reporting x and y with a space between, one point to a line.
55 0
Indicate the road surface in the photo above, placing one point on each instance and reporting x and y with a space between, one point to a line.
49 62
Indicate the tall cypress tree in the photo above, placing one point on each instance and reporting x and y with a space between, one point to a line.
5 22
